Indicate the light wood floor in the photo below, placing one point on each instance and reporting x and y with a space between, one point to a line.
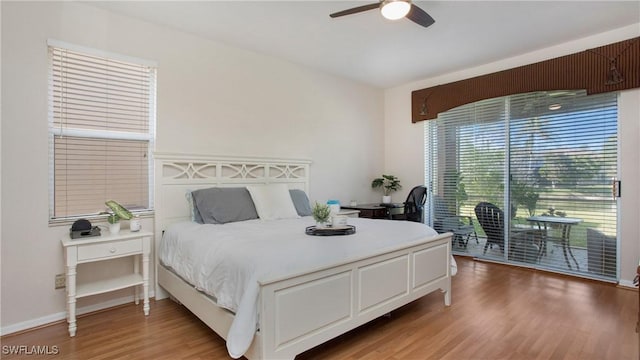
497 312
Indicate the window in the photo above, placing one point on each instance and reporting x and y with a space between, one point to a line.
544 154
101 131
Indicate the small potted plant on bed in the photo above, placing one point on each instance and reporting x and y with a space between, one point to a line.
389 184
321 214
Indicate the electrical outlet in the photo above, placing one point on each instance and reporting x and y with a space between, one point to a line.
61 281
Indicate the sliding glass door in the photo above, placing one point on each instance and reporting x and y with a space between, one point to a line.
528 179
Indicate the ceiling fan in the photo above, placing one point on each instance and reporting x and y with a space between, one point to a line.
393 10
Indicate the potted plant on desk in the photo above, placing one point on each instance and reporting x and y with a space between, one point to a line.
389 184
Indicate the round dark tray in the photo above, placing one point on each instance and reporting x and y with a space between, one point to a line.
329 231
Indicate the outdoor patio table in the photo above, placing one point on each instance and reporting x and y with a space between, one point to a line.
565 224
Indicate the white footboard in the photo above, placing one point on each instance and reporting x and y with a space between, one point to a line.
304 311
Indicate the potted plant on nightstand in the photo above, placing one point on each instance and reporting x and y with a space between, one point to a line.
117 212
389 184
114 224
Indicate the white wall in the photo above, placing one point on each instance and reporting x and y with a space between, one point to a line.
404 141
212 99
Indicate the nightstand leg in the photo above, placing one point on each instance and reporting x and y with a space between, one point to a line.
136 269
71 299
145 282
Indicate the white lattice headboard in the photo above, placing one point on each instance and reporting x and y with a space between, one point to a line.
178 173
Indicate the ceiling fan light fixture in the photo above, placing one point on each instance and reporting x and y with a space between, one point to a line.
395 9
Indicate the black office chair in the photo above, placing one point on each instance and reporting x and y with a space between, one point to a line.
414 205
491 218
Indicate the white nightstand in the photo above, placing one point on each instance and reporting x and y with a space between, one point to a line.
107 246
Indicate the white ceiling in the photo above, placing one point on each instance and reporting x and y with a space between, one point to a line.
367 48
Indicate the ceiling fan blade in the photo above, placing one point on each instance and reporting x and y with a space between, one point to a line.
419 16
355 10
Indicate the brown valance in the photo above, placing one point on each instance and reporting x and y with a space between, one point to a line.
612 67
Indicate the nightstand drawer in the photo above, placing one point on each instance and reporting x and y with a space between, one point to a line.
110 249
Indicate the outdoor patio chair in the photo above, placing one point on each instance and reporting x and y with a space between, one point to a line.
461 226
491 218
524 244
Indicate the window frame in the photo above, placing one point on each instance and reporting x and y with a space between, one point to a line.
53 131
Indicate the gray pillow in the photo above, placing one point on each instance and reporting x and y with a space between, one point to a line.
223 205
301 202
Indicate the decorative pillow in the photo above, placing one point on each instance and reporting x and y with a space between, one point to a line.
301 202
223 205
272 201
195 214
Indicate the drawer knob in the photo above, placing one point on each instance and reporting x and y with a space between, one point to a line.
112 250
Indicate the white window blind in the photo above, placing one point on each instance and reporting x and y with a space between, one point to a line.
536 154
101 127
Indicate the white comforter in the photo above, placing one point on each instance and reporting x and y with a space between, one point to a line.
227 261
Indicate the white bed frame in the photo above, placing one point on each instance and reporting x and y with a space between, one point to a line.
302 310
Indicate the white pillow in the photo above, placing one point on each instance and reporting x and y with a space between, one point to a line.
272 201
195 214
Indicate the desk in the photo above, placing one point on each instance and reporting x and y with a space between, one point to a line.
565 224
374 211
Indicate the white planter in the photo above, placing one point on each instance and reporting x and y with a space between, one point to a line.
386 199
114 229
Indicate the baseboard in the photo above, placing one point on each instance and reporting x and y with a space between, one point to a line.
46 320
627 284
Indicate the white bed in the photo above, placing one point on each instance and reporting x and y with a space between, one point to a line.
311 299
